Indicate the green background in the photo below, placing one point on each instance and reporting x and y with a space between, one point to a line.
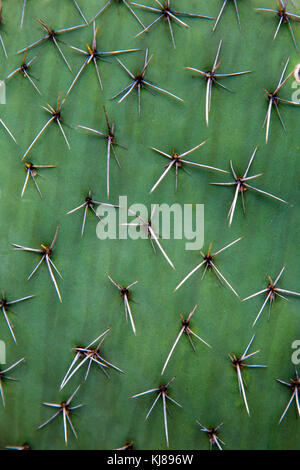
206 383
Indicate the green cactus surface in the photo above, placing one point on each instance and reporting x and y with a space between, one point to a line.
46 329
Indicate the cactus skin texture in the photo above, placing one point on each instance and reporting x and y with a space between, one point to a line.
47 330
